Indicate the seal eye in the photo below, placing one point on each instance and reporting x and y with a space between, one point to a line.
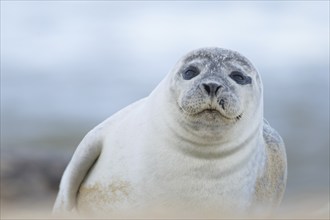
190 73
240 78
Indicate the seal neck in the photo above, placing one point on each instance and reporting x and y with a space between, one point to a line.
199 141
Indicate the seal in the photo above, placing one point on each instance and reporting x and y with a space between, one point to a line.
198 141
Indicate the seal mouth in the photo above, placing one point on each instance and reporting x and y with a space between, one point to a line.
212 111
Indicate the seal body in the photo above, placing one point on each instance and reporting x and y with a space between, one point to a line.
198 141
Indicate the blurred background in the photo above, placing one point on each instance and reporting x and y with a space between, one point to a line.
67 66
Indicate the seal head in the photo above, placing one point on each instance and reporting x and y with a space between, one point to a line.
215 90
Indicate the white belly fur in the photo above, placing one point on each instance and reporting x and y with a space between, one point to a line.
139 172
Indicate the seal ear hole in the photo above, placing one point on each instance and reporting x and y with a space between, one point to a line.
240 78
190 72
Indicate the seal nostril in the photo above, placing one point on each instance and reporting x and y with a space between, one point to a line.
207 88
217 89
211 88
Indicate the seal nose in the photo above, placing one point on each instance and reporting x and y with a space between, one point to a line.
211 88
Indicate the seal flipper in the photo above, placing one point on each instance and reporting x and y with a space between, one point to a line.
82 160
272 184
277 155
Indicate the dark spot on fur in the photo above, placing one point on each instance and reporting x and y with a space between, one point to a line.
222 104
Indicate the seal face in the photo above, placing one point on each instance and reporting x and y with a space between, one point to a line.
198 140
216 87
